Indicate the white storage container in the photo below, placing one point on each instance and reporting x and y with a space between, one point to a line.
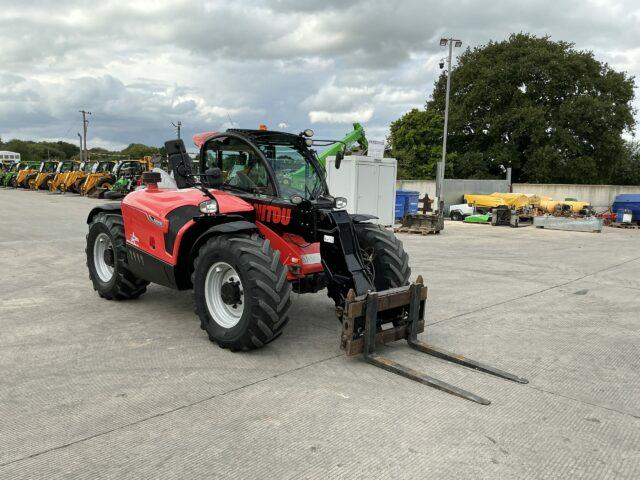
368 184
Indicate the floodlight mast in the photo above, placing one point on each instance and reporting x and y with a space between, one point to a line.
451 42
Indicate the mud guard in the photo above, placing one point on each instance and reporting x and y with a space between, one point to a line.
362 217
106 208
223 228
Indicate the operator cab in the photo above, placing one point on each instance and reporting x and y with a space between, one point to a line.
104 166
260 163
64 167
48 167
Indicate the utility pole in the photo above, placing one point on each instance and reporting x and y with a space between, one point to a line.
451 42
178 126
85 124
80 136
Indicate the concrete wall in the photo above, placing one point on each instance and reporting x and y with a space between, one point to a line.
422 186
600 196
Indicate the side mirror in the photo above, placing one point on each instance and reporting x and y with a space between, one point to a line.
339 158
213 177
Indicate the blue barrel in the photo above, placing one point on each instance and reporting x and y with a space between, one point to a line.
406 202
412 201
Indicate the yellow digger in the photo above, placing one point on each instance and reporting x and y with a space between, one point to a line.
131 169
26 174
64 169
99 171
47 171
68 180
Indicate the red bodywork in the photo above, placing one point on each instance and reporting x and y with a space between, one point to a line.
145 222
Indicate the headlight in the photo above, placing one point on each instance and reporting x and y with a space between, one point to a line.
340 203
209 207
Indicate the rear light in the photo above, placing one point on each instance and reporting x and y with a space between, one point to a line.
209 207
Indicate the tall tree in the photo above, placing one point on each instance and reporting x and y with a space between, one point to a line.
552 113
416 141
139 150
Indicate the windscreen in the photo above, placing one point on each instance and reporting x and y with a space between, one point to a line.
294 172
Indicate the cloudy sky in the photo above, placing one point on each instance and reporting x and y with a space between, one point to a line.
138 65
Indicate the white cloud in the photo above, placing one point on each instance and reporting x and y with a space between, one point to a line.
320 116
140 65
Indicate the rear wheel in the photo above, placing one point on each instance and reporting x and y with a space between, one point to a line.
241 291
107 260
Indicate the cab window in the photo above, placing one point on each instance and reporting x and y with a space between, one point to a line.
241 165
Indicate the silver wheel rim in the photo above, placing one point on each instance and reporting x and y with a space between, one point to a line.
225 315
100 246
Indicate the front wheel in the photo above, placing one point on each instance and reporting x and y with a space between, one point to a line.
241 291
384 255
456 216
30 182
107 260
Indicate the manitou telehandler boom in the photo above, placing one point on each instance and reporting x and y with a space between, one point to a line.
244 239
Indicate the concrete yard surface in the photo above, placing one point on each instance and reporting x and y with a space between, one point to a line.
91 388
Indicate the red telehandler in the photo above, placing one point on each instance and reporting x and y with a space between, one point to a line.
245 232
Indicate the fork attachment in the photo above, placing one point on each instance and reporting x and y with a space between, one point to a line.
362 332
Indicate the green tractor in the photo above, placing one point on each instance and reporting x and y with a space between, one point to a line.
9 178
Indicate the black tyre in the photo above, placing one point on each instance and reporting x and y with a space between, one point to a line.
107 260
105 183
13 182
241 291
77 186
457 216
384 254
45 183
30 181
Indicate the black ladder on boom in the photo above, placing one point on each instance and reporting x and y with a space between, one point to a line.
362 333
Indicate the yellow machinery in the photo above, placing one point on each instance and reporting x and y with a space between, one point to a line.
498 199
566 207
65 168
71 181
513 209
123 168
45 173
24 175
99 171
